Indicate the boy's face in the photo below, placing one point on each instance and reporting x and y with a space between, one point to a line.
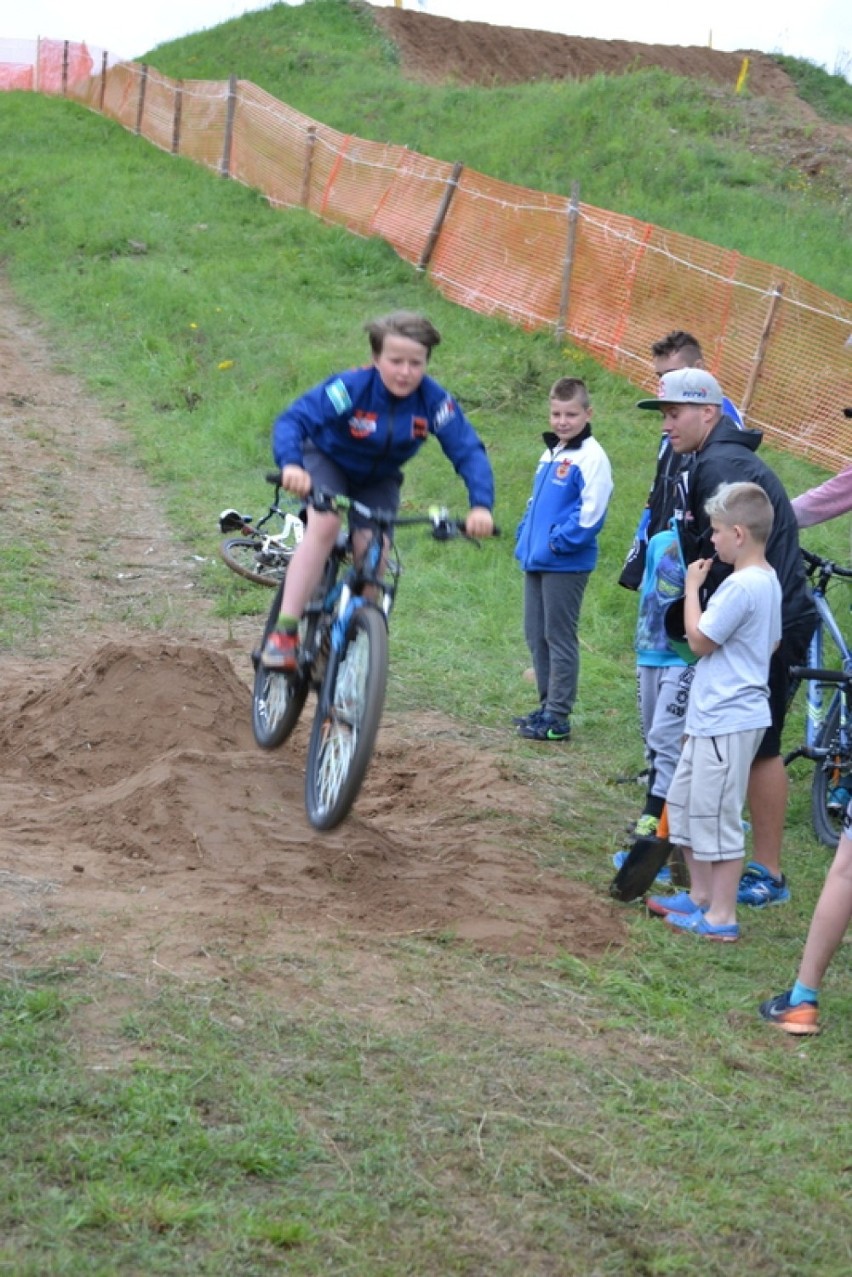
727 539
401 365
568 418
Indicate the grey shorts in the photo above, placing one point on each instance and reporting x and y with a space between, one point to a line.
706 797
326 474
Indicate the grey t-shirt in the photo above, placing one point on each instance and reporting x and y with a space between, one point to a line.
730 691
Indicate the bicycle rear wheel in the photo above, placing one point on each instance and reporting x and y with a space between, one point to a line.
832 775
277 699
343 737
254 559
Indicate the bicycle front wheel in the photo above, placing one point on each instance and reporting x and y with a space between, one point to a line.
277 699
347 720
253 559
832 781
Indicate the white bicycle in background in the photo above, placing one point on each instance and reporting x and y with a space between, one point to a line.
262 551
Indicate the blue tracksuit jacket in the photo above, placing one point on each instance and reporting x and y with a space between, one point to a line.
571 492
370 433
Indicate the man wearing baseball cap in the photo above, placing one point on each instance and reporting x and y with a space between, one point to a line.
690 401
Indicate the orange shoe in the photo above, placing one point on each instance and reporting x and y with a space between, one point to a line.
800 1019
281 652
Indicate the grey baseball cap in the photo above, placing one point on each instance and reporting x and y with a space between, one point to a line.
686 385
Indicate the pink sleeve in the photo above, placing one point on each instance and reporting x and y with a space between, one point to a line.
827 501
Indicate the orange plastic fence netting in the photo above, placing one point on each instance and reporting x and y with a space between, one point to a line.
611 284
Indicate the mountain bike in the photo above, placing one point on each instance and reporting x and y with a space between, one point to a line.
263 550
828 717
343 657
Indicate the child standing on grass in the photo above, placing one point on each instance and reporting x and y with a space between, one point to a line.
557 547
728 712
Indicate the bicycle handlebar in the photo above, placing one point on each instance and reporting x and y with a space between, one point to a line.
444 526
816 563
820 676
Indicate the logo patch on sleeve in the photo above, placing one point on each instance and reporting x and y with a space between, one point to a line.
444 414
339 396
362 424
419 427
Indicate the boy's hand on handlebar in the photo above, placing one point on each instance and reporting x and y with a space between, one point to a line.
479 522
296 480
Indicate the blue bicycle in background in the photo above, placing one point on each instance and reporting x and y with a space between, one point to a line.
828 720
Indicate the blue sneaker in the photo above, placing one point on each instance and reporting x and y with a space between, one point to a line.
664 877
547 727
696 924
524 720
758 888
681 902
838 799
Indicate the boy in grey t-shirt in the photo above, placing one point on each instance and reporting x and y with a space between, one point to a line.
734 637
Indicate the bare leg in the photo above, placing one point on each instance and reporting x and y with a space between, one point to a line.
306 565
700 877
767 804
725 875
832 915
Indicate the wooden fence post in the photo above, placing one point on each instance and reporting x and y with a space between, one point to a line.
65 69
310 143
140 106
177 115
102 98
225 167
440 217
754 375
568 264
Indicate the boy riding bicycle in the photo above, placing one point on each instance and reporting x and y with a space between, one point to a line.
351 435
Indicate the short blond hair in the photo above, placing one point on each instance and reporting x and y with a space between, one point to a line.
745 504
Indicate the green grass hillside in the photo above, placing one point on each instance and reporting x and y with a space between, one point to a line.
661 148
486 1116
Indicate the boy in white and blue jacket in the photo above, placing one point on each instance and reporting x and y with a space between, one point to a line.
557 547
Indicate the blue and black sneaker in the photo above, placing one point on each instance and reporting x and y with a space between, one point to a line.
758 888
546 727
523 720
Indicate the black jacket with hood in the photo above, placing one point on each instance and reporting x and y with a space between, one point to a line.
729 455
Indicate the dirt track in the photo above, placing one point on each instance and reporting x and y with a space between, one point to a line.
769 117
136 811
437 50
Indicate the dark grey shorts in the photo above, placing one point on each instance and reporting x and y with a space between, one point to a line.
326 474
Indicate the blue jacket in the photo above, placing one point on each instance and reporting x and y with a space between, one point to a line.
571 491
354 419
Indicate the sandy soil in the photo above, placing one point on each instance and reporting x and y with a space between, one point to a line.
136 813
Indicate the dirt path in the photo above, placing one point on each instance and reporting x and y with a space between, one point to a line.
136 814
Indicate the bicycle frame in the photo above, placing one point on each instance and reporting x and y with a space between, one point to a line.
828 717
818 707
